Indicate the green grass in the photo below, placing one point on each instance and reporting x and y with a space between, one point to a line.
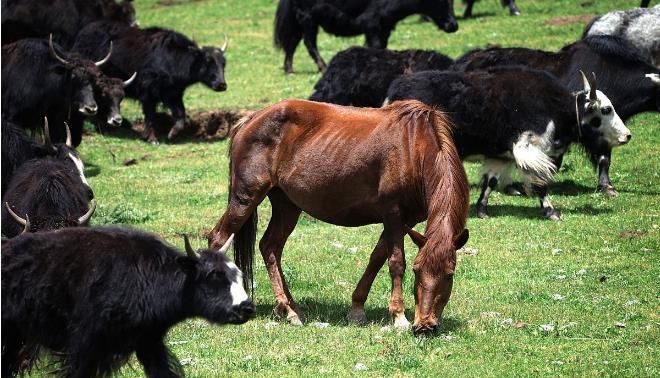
607 270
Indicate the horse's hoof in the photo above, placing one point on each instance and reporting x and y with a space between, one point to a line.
358 317
401 323
294 320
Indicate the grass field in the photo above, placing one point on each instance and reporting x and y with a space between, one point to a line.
534 297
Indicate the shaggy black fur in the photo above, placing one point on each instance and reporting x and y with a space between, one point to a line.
360 76
93 296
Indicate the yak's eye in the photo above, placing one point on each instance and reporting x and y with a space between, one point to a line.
606 110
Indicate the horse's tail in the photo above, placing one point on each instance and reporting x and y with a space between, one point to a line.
287 29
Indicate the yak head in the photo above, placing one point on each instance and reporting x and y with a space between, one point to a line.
216 286
82 74
109 92
441 12
123 11
597 117
209 66
66 153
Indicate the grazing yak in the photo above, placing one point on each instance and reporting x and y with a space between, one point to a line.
640 27
376 19
39 81
631 84
93 296
63 18
511 4
360 76
166 63
46 194
18 147
518 115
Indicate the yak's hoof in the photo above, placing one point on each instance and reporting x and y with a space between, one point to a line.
513 190
358 317
515 13
551 214
608 190
482 213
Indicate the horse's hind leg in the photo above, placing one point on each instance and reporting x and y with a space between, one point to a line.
282 222
376 261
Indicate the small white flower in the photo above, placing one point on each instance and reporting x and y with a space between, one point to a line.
337 245
558 297
352 249
620 324
186 361
556 252
547 327
270 325
581 272
631 303
448 337
506 322
469 251
360 367
320 325
560 276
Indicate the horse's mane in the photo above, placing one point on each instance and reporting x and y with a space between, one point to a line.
448 201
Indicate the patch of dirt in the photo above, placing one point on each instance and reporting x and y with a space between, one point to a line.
568 20
629 234
210 125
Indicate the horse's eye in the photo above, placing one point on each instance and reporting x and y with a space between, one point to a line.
606 110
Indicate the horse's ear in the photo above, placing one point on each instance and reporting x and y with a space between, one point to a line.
416 237
461 239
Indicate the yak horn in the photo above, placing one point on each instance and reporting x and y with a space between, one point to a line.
47 142
130 80
224 45
592 94
416 237
225 247
68 135
654 77
53 52
585 82
25 222
85 217
189 251
102 61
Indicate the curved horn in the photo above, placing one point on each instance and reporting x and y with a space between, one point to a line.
592 95
130 80
227 244
25 222
47 142
102 61
85 217
224 45
68 135
585 82
189 250
53 52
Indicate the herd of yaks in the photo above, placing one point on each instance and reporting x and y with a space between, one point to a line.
93 296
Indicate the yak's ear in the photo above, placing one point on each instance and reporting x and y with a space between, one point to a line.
187 264
461 239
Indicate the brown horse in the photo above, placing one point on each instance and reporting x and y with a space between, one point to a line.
348 166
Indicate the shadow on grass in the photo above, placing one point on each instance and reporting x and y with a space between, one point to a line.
478 15
570 188
334 313
534 212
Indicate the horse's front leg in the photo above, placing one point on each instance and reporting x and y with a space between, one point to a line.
376 261
397 263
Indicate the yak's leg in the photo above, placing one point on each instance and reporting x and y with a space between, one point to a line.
282 222
492 171
156 359
289 49
149 110
376 261
468 9
11 350
548 211
377 39
604 183
397 263
175 104
310 32
513 10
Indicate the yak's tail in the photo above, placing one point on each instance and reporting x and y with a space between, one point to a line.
287 29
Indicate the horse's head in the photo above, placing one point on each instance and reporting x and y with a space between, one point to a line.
434 277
